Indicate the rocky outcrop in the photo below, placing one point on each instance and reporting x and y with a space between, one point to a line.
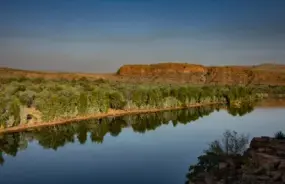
266 162
199 74
262 163
182 71
162 68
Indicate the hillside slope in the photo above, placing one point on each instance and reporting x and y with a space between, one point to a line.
11 73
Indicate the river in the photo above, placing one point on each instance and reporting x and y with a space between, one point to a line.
142 149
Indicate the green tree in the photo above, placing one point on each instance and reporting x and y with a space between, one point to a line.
140 97
15 111
83 103
116 100
100 100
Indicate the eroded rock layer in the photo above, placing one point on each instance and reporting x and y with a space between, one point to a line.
199 74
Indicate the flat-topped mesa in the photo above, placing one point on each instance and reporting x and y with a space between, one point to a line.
161 69
199 74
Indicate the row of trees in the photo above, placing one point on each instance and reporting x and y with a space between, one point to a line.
49 100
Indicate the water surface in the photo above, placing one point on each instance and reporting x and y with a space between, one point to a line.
154 148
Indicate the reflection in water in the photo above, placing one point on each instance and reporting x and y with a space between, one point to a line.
241 110
57 136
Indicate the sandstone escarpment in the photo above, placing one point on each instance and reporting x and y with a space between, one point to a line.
181 71
168 70
199 74
229 75
162 69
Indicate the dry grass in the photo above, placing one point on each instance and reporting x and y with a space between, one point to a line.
8 72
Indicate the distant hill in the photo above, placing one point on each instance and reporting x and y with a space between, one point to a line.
264 74
10 72
270 67
267 74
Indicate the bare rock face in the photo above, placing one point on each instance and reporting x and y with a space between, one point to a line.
199 74
177 71
267 160
161 69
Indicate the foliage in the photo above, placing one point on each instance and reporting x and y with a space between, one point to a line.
230 147
279 135
83 102
15 111
230 144
116 100
61 98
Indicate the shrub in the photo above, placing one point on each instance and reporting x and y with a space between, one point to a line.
116 100
83 103
171 102
279 135
38 80
230 144
15 111
140 97
27 98
154 97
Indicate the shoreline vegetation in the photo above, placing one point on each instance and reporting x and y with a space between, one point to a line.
35 102
112 113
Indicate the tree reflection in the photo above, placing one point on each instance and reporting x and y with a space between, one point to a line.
82 133
116 125
10 143
245 108
58 136
99 130
1 158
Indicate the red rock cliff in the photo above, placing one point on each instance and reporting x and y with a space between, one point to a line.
161 69
199 74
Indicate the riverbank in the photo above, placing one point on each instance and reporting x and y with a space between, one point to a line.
110 113
263 162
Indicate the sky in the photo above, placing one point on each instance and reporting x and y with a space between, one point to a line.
101 35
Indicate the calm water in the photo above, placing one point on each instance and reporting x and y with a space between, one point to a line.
154 148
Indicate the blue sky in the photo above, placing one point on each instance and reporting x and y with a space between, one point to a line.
101 35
